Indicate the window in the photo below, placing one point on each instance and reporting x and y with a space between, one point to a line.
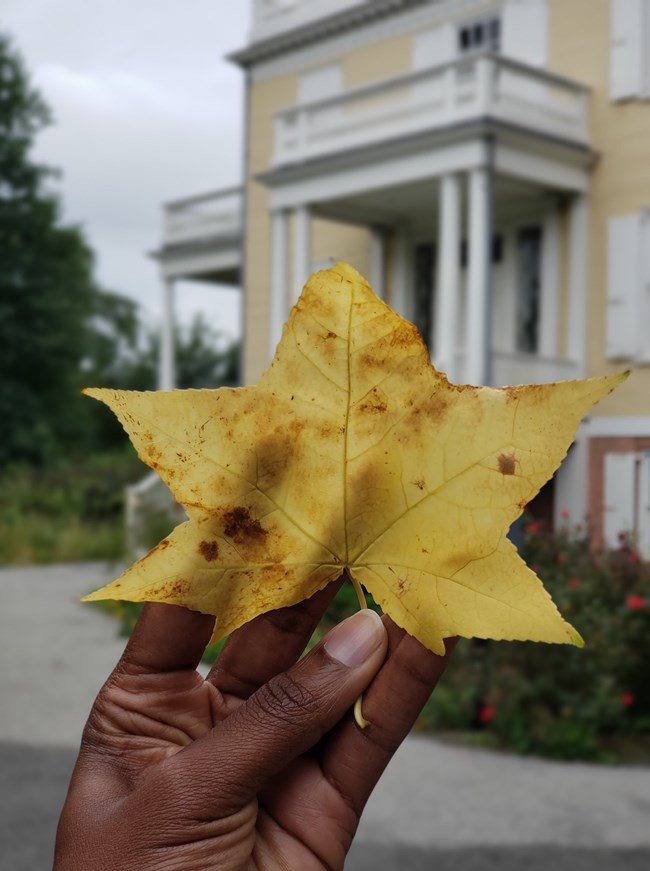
482 35
529 269
628 287
424 286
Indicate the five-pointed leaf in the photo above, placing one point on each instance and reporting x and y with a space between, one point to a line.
352 451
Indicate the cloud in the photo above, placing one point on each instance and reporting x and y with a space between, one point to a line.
146 110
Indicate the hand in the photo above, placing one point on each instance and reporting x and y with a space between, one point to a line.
261 766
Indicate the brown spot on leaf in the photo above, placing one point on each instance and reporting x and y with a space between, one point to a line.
173 590
209 550
420 484
507 464
241 527
374 403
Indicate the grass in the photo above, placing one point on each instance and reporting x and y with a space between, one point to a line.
36 539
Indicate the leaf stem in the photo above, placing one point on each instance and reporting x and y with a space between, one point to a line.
360 720
358 590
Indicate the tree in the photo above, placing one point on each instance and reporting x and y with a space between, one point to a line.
47 291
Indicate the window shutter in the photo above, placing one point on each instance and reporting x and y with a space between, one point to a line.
525 31
626 50
643 532
433 47
320 83
619 509
623 280
644 287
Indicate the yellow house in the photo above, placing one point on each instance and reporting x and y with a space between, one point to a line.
486 164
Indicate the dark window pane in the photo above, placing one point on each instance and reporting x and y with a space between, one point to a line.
529 263
424 290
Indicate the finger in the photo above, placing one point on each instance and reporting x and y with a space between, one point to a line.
167 638
218 774
354 759
268 645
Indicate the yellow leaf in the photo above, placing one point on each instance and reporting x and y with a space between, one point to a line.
353 452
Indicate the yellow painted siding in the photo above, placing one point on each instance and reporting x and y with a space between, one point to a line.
372 63
579 43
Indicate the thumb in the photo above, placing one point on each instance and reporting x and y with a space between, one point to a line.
285 717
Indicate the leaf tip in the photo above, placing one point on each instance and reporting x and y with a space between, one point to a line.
576 638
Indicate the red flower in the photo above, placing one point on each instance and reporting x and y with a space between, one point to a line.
627 699
532 528
564 512
635 603
634 556
486 714
573 583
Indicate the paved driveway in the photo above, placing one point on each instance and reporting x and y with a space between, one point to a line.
438 807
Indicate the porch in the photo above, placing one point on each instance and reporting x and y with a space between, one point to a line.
472 179
201 241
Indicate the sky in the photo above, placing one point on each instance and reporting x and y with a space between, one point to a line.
146 110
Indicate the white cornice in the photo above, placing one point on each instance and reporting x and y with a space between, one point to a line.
318 44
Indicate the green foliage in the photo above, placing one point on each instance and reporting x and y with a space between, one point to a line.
59 331
554 700
46 286
71 511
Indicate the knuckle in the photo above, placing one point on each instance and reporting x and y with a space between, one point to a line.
284 698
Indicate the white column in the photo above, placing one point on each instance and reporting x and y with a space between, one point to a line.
400 292
480 265
548 327
578 276
446 318
278 303
167 361
302 259
377 253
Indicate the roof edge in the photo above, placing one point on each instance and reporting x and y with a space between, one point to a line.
319 29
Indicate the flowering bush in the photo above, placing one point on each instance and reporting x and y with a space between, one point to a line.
556 700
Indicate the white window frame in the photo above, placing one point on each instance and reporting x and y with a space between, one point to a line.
486 22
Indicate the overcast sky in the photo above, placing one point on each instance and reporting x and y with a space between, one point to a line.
146 110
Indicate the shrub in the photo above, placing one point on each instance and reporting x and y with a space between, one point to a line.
554 700
70 511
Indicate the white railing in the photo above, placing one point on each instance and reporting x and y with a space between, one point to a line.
204 217
509 369
464 90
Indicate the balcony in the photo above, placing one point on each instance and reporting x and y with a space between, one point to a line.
435 99
217 214
202 237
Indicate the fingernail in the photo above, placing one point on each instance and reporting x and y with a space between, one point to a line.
352 641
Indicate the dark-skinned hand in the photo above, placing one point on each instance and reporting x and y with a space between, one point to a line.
259 766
